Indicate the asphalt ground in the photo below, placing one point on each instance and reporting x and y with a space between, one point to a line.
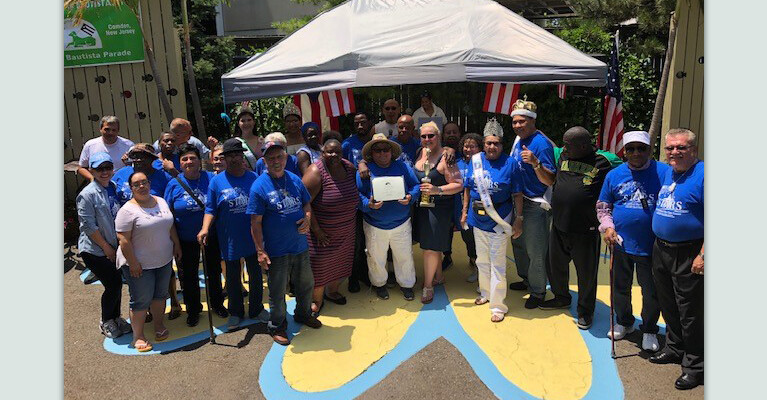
229 369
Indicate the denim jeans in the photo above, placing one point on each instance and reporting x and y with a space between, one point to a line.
234 287
531 248
297 268
151 285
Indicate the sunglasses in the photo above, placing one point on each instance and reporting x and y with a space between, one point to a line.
105 168
390 108
428 136
381 149
139 184
679 148
638 149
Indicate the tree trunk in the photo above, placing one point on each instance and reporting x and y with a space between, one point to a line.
158 81
190 75
657 113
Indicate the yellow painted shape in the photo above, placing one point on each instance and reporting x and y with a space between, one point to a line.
541 352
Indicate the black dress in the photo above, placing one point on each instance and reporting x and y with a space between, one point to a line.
434 224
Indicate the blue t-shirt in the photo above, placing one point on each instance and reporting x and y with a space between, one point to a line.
503 177
157 164
408 150
679 213
227 201
352 149
157 183
290 165
114 202
281 203
187 214
391 214
542 148
625 188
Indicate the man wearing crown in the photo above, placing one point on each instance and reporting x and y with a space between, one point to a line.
534 154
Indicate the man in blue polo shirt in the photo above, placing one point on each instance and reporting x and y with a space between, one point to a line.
534 154
280 211
387 223
677 258
625 208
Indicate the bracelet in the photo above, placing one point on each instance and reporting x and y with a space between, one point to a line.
440 190
537 166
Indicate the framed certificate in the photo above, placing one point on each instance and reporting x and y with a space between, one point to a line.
387 188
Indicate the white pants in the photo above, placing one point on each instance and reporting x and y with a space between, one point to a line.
491 265
378 242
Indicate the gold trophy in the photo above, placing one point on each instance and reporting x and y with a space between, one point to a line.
425 197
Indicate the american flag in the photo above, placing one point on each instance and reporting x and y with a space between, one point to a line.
312 109
499 97
561 90
611 135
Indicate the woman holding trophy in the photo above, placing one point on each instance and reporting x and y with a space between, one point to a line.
492 191
439 182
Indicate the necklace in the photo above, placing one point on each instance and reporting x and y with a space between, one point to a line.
673 184
281 188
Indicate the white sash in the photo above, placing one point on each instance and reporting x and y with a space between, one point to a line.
545 200
503 225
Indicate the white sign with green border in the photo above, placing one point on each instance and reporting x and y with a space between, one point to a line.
105 35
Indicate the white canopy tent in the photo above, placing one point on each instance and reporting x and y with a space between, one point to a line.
393 42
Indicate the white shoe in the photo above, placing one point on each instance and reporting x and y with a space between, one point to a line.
650 342
620 331
473 277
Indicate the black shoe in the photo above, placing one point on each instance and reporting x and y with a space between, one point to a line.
354 286
687 382
555 303
340 300
192 319
585 322
221 311
391 280
665 358
311 322
381 292
447 262
533 302
408 293
518 285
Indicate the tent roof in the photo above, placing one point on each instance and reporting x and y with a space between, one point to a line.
383 42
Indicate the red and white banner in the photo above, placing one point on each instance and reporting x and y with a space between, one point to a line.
561 90
312 109
339 102
499 97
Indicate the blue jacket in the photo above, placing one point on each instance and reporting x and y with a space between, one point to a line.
95 214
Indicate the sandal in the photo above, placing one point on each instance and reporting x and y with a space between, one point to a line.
337 298
174 313
497 317
427 296
142 348
438 282
481 300
159 336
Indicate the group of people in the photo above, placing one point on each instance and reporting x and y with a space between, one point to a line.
302 208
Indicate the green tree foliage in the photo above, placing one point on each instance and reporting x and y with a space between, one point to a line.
294 24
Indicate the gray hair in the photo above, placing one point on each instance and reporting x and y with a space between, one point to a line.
109 119
691 137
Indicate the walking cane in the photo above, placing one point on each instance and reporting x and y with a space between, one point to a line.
207 295
612 312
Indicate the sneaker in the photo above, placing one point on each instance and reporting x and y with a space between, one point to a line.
233 323
408 293
473 277
447 262
90 278
123 325
533 302
619 331
518 286
381 292
110 329
584 322
555 303
650 342
312 322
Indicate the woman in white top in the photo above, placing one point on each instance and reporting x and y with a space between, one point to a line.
148 243
429 112
252 142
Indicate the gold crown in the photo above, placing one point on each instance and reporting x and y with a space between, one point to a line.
521 104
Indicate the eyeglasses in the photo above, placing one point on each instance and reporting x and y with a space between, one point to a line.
638 149
679 148
105 168
381 149
139 184
428 135
390 108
